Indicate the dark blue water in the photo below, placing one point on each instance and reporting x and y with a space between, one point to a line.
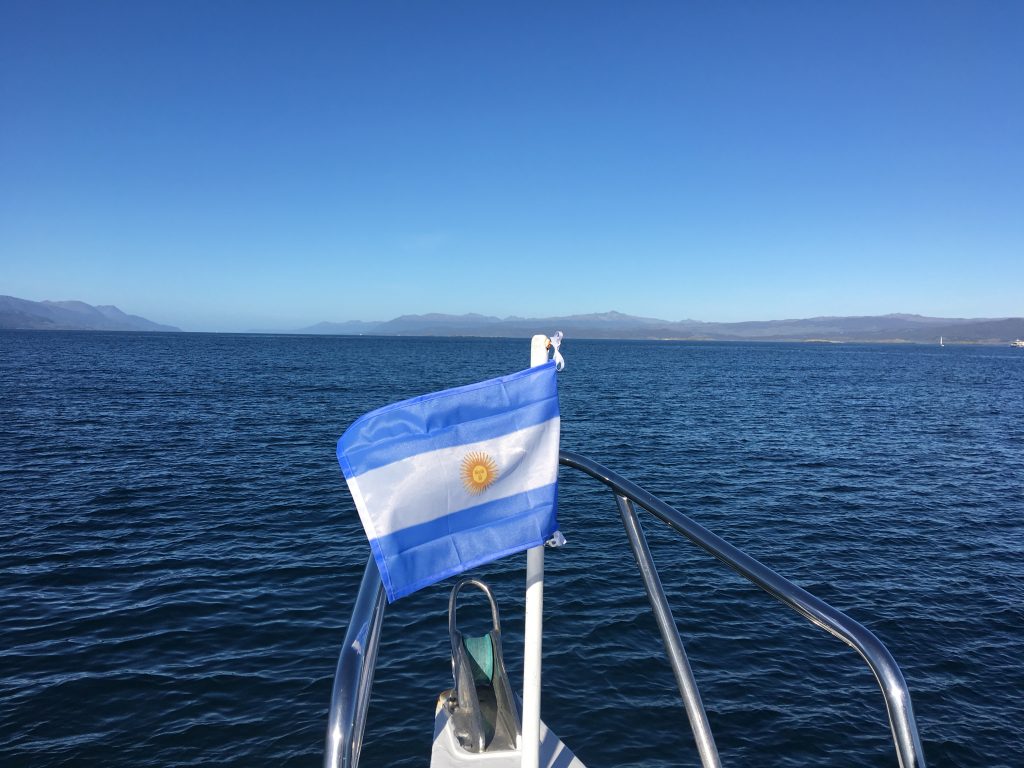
179 555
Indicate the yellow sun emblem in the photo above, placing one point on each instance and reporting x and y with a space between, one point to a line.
478 471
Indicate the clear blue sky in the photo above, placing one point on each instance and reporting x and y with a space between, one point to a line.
231 165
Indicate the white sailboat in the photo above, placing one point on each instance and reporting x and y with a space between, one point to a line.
940 342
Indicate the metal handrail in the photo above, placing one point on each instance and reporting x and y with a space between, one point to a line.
354 677
817 611
673 643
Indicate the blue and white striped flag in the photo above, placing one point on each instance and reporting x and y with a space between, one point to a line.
451 480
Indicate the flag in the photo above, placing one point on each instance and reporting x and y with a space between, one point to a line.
451 480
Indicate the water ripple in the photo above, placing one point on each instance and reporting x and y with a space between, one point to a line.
179 555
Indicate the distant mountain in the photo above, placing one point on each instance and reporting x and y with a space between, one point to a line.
615 325
350 328
70 316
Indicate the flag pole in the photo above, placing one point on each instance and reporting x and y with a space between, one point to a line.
534 629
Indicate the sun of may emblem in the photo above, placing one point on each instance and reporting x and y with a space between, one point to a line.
478 471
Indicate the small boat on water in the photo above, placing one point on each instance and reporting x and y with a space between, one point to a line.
1017 343
480 720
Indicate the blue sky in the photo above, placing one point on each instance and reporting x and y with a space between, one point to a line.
234 165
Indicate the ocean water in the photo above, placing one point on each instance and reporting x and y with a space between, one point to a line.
179 554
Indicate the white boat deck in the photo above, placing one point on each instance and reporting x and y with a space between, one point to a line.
448 753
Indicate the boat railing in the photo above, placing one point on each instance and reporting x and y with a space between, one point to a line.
354 676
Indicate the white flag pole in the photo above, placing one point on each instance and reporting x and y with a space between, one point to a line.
534 629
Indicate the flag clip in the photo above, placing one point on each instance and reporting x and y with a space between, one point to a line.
555 342
557 540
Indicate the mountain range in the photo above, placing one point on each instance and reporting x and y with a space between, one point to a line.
70 316
615 325
76 315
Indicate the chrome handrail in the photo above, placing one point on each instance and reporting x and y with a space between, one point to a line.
673 643
354 677
817 611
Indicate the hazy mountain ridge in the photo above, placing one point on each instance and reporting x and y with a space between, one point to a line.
615 325
22 314
18 313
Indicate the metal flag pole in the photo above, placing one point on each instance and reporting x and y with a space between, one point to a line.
534 629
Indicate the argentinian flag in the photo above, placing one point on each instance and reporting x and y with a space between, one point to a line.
451 480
